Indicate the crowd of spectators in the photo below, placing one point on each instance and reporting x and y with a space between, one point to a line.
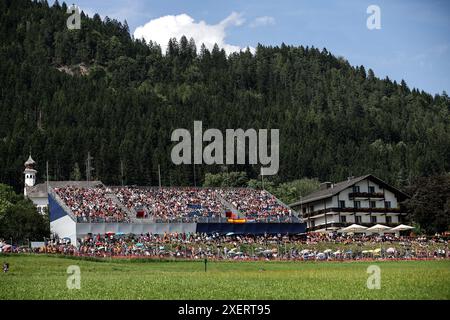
250 247
172 203
92 204
257 204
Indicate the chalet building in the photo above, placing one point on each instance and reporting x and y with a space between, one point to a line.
365 200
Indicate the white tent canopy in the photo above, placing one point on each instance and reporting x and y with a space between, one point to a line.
402 227
319 231
354 228
326 230
378 228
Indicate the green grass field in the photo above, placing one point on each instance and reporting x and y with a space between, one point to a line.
44 277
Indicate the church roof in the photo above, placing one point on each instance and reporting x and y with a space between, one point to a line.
40 190
37 191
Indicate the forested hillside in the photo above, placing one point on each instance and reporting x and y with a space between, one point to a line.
127 97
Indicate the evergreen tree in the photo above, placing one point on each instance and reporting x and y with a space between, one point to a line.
67 92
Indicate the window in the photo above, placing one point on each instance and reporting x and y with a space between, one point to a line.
341 204
371 189
343 219
387 204
311 208
373 219
372 204
357 204
388 219
358 219
355 188
312 223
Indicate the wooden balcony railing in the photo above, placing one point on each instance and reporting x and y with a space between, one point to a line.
366 195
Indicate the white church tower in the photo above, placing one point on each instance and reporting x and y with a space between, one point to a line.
30 174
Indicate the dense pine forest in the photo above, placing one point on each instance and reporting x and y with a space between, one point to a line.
65 93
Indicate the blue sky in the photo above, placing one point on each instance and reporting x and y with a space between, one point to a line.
413 43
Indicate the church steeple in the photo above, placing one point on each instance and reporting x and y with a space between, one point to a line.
30 162
30 174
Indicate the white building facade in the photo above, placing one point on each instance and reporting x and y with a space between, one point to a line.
365 200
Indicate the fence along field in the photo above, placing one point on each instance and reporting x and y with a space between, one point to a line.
45 277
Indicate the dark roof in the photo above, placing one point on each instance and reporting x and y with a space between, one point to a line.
340 186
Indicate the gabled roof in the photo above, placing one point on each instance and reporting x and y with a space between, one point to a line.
340 186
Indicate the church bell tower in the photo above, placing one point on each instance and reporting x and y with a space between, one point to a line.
30 174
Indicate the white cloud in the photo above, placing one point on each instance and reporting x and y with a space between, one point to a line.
160 30
262 21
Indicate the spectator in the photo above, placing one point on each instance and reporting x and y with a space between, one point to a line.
5 267
92 204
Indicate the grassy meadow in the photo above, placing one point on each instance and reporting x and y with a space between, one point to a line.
45 277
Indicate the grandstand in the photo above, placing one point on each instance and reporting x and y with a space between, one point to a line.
171 203
255 204
79 208
92 204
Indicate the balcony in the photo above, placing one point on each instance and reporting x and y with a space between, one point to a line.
382 210
351 210
366 195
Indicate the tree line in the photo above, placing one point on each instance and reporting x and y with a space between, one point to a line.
65 93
